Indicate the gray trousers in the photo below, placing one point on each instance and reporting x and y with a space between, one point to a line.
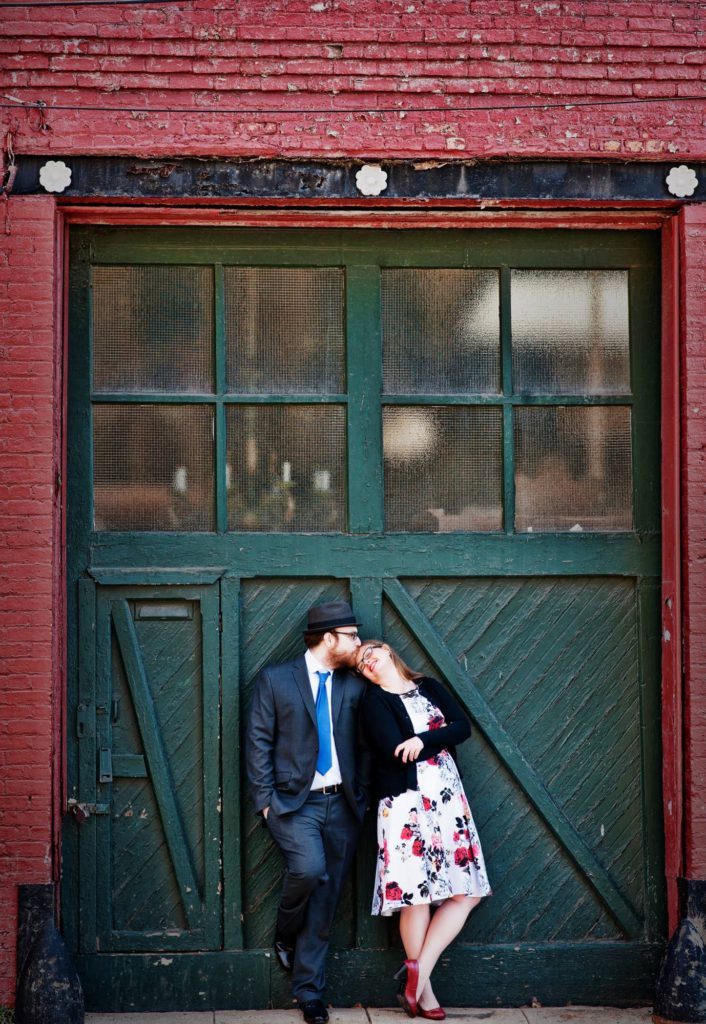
317 842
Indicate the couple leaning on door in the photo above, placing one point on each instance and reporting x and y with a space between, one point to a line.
324 728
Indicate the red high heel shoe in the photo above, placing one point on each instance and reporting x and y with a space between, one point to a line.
436 1013
408 977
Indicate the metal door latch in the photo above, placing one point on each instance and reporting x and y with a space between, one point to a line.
83 811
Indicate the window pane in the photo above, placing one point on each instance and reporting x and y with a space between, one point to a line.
441 331
573 468
443 468
153 329
570 332
286 468
153 467
285 330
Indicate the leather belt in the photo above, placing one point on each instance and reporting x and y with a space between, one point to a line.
330 790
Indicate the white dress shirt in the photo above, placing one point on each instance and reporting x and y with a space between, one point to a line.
333 775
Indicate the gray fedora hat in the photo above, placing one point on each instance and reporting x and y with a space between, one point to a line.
330 615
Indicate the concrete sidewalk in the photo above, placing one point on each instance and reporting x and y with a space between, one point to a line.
370 1015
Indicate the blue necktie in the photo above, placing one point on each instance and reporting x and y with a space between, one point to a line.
323 761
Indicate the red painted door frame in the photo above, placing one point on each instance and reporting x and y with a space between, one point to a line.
413 214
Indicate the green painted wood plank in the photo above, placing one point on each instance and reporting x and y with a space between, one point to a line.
234 798
199 398
103 791
153 577
130 766
87 759
613 973
364 358
649 617
513 759
394 247
157 762
211 744
366 598
264 554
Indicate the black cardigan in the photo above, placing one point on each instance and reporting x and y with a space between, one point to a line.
386 724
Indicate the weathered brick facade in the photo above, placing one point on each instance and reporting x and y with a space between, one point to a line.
29 563
376 79
317 78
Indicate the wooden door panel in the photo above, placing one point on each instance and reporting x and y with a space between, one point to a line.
552 666
549 639
158 848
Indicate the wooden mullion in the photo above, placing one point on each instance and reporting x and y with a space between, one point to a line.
364 364
644 290
292 399
151 398
471 399
219 424
508 416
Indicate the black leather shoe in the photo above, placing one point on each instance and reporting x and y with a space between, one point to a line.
285 954
314 1011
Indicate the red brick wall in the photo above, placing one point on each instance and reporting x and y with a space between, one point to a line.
278 61
27 565
694 505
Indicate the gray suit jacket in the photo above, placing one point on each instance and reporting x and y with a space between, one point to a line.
282 740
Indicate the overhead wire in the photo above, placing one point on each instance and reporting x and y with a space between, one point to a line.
45 108
87 3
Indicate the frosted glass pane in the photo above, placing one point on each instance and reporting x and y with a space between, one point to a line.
286 468
573 468
153 329
285 330
443 468
441 331
570 332
153 467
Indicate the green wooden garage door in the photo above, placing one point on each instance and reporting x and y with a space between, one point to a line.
458 430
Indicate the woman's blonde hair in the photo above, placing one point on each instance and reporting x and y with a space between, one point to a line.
404 670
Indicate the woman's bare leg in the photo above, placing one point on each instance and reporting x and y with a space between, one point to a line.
447 922
414 924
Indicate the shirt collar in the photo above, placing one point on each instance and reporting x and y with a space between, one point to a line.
314 665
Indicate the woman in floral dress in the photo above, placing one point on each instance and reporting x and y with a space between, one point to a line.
429 854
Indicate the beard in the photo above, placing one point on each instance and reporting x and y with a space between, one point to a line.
344 658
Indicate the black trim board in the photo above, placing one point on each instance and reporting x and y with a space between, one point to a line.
126 177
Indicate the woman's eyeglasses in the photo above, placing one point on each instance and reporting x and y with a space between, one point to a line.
366 654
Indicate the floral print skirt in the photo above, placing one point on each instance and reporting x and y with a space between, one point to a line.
428 847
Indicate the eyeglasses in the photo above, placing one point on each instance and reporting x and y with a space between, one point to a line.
367 654
355 635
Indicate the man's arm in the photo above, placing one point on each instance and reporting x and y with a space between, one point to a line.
260 743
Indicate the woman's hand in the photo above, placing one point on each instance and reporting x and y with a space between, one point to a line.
410 749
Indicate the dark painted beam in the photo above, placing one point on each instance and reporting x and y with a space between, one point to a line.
123 177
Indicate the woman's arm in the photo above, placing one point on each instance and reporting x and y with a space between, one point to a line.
457 728
382 727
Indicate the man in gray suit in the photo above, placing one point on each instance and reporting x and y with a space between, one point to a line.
308 779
